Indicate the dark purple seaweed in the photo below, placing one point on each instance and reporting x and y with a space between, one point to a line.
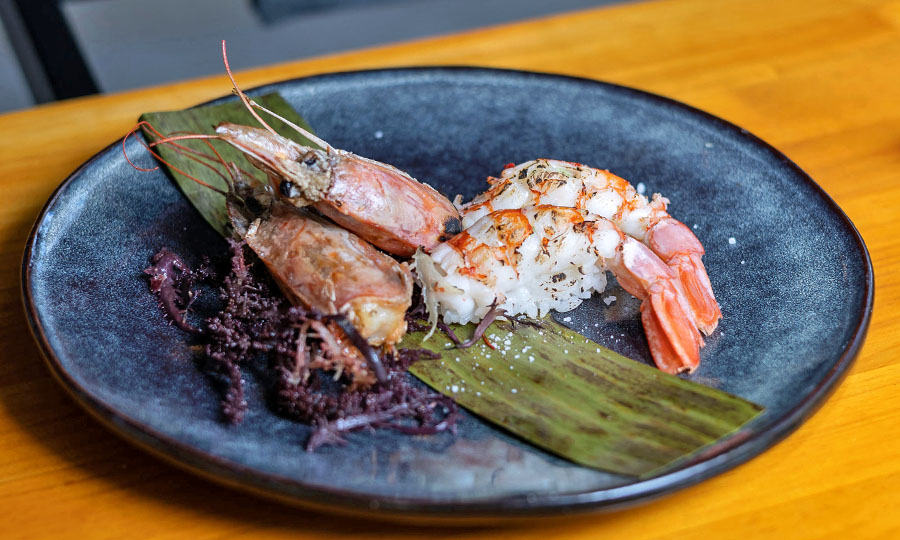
172 281
309 380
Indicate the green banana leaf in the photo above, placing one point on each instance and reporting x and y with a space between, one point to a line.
549 385
562 392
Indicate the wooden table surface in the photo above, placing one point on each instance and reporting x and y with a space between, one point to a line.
820 80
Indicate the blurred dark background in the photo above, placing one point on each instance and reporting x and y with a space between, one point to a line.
56 49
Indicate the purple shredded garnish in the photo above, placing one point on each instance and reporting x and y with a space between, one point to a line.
451 335
418 312
312 370
524 321
330 432
489 318
171 280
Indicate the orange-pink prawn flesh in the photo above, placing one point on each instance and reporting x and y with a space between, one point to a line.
671 332
508 256
563 183
675 244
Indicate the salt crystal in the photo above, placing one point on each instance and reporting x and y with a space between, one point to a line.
379 134
454 388
513 390
608 300
641 188
732 241
708 145
567 319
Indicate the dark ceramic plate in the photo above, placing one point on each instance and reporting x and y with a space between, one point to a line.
792 275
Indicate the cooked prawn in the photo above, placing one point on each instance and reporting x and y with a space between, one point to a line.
537 258
380 203
320 265
562 183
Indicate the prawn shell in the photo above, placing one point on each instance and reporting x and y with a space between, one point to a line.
386 206
322 266
380 203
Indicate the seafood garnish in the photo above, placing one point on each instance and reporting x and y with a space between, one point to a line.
562 183
538 258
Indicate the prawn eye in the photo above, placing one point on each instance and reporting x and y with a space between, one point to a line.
309 159
452 227
286 188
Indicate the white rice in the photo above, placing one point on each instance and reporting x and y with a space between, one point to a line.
557 277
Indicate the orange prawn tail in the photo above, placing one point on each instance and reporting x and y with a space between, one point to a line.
665 312
677 246
673 338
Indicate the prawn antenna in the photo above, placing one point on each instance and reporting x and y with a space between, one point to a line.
246 101
309 135
251 105
187 152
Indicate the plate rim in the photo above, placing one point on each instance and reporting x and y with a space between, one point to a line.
730 453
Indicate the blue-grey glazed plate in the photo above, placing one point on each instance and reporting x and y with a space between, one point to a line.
792 275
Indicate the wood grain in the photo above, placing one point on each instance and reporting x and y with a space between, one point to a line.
819 80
